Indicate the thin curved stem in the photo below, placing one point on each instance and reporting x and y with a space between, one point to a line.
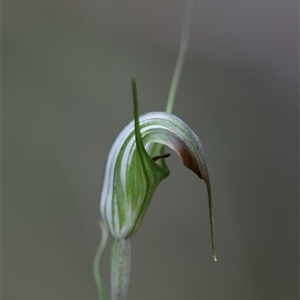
181 55
99 283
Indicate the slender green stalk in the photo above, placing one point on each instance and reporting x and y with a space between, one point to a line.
99 282
120 268
181 55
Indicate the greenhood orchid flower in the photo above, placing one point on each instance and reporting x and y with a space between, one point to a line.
132 173
134 168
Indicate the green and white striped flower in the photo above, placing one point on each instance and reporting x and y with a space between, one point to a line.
134 167
133 170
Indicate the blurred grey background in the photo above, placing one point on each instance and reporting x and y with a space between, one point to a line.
66 94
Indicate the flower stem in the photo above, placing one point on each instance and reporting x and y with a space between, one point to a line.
181 55
99 282
120 268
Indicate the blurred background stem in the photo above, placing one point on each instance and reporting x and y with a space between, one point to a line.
181 55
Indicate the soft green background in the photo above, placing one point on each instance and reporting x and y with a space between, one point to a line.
66 94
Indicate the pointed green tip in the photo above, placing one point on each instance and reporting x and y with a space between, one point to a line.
214 256
136 112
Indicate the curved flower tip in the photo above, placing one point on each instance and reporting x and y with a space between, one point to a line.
135 166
